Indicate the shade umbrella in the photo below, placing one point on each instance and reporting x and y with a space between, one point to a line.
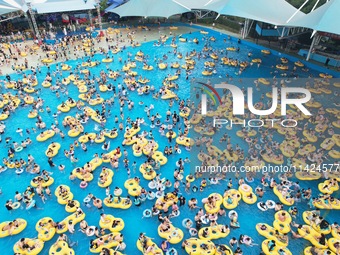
325 18
150 8
274 12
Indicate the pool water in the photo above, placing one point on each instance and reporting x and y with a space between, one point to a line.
249 216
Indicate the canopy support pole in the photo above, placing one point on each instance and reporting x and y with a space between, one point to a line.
315 38
283 31
297 10
90 17
206 14
99 16
186 7
315 5
11 16
247 28
34 23
201 14
30 23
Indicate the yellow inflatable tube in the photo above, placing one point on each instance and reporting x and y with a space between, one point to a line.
173 235
266 251
73 217
133 187
21 223
308 233
306 215
214 232
45 229
107 223
122 203
331 244
218 202
328 186
110 240
307 251
195 244
284 200
149 242
283 226
247 194
62 198
231 199
270 233
43 136
109 174
37 243
62 248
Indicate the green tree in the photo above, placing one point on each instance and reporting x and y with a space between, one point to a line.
103 5
308 7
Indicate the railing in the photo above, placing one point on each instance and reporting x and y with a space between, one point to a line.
321 57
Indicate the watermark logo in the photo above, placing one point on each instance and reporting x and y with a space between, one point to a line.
239 101
236 121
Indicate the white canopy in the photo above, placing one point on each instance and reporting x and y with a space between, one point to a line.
7 6
326 18
46 6
193 4
274 12
51 6
150 8
6 9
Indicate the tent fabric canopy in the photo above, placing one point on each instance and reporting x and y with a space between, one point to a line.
193 4
114 4
325 18
150 8
11 3
7 6
274 12
278 12
5 9
51 6
46 6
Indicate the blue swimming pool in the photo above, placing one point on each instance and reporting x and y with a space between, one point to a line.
134 224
